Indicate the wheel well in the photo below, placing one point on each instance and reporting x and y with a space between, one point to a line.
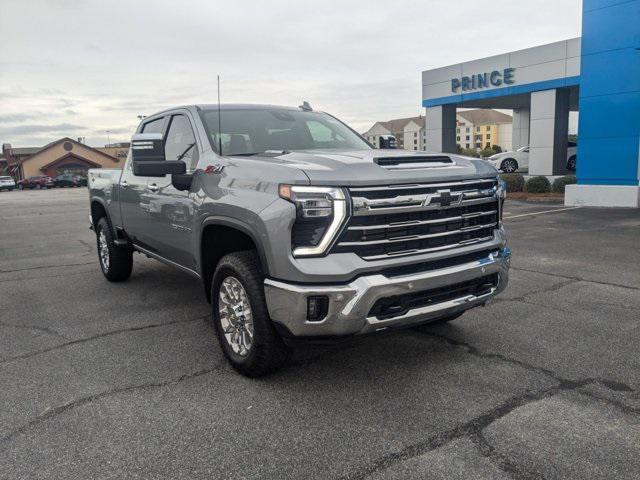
217 241
97 212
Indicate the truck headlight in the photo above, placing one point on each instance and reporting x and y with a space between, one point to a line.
320 212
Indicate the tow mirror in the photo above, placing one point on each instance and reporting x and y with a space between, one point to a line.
147 155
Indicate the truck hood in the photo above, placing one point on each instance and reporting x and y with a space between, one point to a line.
361 167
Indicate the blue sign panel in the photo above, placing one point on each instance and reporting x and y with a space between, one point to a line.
483 80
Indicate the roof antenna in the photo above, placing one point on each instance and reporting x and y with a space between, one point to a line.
306 107
219 121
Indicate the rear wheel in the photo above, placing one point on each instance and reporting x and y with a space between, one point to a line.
241 319
116 262
509 165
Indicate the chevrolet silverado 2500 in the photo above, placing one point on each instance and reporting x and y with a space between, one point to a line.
298 228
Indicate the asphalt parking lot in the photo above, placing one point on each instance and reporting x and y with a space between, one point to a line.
105 380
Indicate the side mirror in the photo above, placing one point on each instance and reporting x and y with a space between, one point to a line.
147 155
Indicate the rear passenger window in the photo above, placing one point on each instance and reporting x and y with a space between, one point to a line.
153 127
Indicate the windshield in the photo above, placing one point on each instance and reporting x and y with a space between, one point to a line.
252 131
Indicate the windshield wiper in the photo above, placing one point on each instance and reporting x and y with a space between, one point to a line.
268 153
181 156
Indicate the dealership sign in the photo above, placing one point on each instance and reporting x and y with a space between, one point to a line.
483 80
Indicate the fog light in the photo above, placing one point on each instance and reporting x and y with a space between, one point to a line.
317 308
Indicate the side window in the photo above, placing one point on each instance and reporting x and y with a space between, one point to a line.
154 126
180 142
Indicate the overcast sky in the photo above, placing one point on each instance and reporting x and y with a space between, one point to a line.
82 67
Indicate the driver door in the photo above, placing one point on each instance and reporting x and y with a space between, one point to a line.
171 211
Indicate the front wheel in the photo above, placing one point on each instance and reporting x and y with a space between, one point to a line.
241 319
115 262
509 165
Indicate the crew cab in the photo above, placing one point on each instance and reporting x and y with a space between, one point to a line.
298 228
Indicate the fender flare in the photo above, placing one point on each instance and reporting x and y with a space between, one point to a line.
238 225
106 212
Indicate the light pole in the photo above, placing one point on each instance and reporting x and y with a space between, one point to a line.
108 138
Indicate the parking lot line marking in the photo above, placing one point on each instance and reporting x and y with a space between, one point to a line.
543 211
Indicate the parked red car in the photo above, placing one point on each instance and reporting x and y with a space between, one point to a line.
38 182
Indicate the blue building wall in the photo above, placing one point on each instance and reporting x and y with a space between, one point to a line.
609 125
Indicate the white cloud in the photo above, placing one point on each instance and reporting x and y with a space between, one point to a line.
108 62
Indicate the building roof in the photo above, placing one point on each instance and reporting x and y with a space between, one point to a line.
397 125
484 116
25 150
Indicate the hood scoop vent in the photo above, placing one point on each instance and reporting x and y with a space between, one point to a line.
414 162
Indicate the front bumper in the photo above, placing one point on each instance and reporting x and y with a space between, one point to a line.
350 304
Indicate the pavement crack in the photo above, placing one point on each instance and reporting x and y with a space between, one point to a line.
53 412
524 298
501 461
471 429
98 336
613 385
40 267
32 327
577 279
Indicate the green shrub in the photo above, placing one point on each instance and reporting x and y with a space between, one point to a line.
561 182
514 181
537 185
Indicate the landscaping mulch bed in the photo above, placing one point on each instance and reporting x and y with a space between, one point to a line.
536 197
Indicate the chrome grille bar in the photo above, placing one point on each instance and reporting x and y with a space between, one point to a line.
414 223
428 250
416 237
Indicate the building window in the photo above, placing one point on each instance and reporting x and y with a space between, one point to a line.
458 138
477 129
488 135
488 145
415 134
415 142
468 146
488 128
467 129
467 139
457 130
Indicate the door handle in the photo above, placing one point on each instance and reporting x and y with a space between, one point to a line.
124 184
153 187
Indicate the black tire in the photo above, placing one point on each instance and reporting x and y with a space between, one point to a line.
267 352
571 163
120 261
509 165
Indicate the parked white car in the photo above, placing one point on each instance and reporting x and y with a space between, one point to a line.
7 183
518 161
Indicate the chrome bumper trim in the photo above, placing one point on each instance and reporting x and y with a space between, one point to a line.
350 304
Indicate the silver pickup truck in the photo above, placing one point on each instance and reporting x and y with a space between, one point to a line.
298 228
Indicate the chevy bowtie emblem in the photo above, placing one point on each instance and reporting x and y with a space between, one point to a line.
444 198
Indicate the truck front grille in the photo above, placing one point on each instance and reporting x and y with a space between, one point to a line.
402 220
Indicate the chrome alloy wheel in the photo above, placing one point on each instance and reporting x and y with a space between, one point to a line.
103 250
236 318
